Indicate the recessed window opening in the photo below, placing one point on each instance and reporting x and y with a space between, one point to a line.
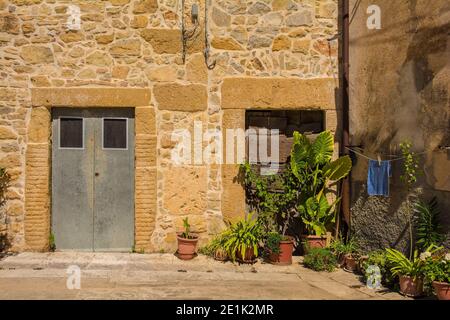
71 133
115 133
307 122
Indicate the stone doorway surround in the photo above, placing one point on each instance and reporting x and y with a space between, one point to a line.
38 157
241 94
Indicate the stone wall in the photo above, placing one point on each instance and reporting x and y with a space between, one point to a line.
399 91
137 44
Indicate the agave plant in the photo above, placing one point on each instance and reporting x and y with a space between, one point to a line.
312 165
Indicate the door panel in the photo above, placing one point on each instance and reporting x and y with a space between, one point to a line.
114 183
93 187
72 186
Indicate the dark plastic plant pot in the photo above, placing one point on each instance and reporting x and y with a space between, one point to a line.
187 247
220 255
283 258
249 256
313 242
442 290
411 287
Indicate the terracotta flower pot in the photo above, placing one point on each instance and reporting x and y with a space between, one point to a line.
187 247
351 263
313 242
283 258
442 290
411 287
249 256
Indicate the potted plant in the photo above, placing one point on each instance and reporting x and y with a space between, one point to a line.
187 242
410 272
437 271
279 248
314 170
273 198
243 240
347 253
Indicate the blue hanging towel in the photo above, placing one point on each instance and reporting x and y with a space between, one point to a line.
378 178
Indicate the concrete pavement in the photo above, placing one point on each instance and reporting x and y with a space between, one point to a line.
164 276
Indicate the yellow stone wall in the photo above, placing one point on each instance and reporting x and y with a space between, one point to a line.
266 54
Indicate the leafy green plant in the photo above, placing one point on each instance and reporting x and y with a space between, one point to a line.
272 243
437 268
340 247
217 243
51 241
409 178
5 179
272 197
427 228
320 259
186 234
379 258
244 234
401 265
312 165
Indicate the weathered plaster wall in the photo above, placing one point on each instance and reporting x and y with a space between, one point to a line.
137 44
400 91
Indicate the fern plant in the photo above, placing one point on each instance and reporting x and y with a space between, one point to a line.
427 226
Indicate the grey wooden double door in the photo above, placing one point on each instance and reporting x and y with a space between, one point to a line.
93 179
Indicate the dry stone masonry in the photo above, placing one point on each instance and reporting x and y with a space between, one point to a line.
258 47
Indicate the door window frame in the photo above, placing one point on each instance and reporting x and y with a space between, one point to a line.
82 133
103 132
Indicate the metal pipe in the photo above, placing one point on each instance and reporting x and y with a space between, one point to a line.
345 102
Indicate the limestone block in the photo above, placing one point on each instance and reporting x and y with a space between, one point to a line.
145 6
82 97
278 93
220 18
39 127
99 59
126 47
233 195
196 70
36 54
7 133
224 43
72 36
176 97
104 38
185 190
163 40
281 43
145 120
302 18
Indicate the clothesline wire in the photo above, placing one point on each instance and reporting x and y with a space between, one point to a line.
392 160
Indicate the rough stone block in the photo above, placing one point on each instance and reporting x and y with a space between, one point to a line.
39 127
176 97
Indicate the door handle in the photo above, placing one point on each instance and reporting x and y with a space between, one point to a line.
97 174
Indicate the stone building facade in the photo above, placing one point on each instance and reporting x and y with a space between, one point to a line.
267 54
399 91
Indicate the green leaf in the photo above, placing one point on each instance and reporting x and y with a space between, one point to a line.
322 148
338 169
300 153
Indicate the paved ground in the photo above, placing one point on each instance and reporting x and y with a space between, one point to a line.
163 276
